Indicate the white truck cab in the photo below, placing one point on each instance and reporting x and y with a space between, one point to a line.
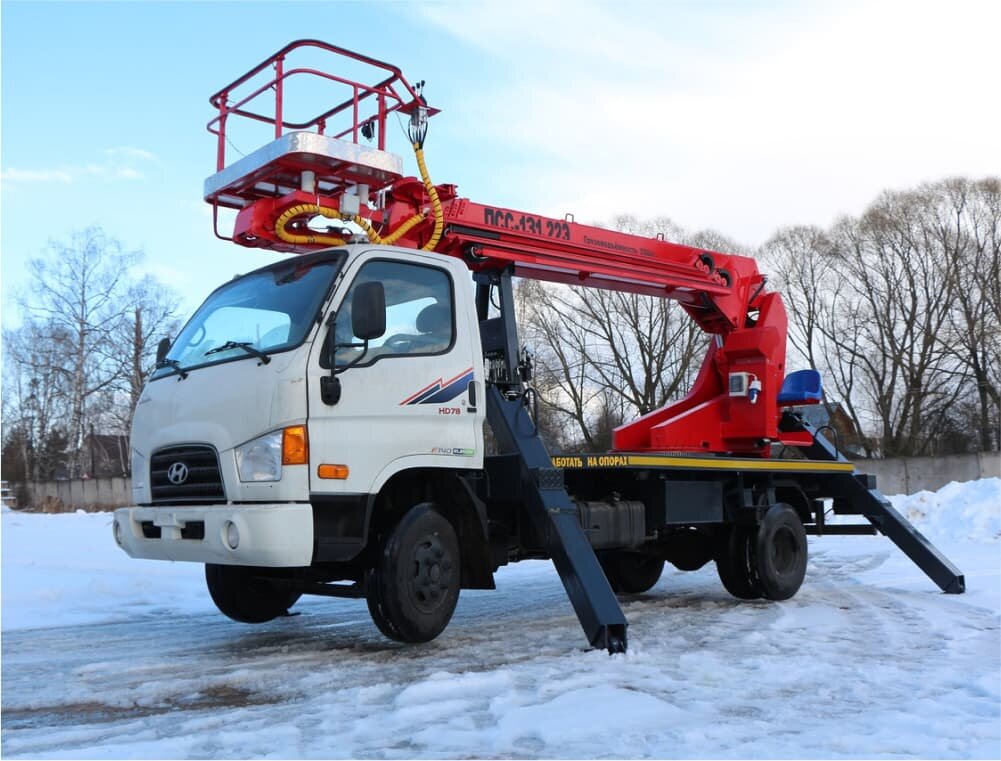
268 428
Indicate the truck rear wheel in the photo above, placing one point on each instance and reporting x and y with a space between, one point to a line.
413 589
735 561
242 594
631 573
780 553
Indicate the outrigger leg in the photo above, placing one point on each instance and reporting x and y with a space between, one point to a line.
555 518
856 494
553 514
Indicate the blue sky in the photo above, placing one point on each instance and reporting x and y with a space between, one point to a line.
738 116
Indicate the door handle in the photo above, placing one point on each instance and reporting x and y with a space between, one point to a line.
471 396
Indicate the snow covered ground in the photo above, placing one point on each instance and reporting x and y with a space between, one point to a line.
108 657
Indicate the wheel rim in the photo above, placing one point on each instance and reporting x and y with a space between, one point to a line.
784 552
431 573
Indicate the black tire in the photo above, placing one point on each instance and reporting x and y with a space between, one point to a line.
735 562
780 553
631 573
375 609
240 593
413 589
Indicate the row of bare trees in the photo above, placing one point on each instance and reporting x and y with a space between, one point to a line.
76 363
899 308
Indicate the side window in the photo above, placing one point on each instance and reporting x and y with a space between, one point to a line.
419 314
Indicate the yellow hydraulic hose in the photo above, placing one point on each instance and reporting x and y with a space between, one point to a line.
307 208
394 236
313 238
439 217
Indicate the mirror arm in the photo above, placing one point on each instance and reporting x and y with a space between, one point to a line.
330 386
334 370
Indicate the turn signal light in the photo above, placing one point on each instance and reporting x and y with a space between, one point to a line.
295 445
340 472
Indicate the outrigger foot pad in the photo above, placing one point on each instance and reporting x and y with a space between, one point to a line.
615 639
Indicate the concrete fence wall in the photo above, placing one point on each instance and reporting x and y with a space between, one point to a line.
903 475
907 475
91 494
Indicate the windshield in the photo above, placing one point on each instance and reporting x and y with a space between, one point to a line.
268 311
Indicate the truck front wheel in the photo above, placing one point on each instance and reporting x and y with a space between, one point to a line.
414 587
243 594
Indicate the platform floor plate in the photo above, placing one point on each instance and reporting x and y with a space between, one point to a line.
274 169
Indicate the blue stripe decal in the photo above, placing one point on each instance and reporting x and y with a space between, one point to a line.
420 399
438 394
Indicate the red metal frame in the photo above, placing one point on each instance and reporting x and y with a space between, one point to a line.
724 293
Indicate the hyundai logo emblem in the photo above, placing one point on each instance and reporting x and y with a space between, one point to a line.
177 473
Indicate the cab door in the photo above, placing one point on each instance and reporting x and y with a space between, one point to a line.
414 397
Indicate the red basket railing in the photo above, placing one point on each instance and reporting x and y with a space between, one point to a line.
393 93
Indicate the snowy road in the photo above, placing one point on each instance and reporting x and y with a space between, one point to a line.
869 659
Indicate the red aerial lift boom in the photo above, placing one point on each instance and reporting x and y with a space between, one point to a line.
322 166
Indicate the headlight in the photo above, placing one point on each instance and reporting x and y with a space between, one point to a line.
260 459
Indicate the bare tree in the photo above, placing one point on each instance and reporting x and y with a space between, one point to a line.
152 314
604 356
35 399
965 225
826 318
77 360
800 258
898 308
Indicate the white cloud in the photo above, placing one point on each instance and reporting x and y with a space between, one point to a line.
128 173
131 152
120 165
599 32
36 175
69 173
732 120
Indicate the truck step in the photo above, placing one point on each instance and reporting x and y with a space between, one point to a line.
353 591
860 529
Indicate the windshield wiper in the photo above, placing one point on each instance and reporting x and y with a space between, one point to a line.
245 345
175 365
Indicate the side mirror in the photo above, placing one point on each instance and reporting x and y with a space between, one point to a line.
161 349
368 311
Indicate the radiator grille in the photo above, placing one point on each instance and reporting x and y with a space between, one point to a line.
202 481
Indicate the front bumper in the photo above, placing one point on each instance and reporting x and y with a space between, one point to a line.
270 535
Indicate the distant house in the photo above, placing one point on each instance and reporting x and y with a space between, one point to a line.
106 455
